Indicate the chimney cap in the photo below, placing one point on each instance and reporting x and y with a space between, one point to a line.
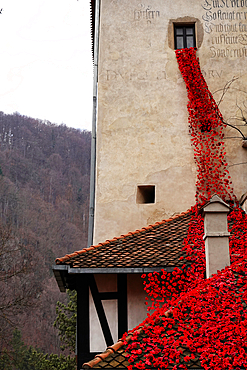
216 204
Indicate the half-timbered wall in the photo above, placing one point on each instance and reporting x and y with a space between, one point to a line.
136 308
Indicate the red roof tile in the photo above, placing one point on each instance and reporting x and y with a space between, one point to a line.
157 245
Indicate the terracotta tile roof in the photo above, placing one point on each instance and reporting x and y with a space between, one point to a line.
158 245
112 358
115 356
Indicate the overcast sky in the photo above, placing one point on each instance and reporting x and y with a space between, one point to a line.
46 67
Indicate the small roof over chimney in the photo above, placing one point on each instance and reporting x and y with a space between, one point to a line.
216 235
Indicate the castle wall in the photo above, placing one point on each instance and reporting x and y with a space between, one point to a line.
142 129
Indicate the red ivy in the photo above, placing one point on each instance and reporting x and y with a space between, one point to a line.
206 130
209 319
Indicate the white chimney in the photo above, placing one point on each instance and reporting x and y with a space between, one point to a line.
216 235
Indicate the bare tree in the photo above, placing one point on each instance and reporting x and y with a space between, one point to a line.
238 121
18 289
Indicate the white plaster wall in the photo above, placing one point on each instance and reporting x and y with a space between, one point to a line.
137 310
105 283
97 340
142 129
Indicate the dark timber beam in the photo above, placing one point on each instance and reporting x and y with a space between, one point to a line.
82 331
108 295
122 304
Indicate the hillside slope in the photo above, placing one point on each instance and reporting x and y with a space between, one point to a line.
44 194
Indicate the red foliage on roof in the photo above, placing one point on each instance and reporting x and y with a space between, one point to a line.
208 327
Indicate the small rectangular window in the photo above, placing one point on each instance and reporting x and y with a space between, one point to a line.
184 36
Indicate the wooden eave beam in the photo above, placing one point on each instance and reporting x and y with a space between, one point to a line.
64 273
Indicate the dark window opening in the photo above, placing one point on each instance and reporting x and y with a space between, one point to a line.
184 36
145 194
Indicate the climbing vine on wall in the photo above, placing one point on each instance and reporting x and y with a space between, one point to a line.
197 320
206 130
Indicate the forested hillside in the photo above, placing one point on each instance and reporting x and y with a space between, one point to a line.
44 194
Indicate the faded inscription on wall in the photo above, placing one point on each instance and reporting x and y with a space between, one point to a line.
226 23
142 14
133 75
145 13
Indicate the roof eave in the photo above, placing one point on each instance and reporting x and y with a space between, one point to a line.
62 272
118 270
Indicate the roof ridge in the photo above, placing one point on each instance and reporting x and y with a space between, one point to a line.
108 241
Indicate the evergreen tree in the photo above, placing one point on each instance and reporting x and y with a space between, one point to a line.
21 357
66 322
18 357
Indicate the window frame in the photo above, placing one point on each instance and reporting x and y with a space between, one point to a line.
184 27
